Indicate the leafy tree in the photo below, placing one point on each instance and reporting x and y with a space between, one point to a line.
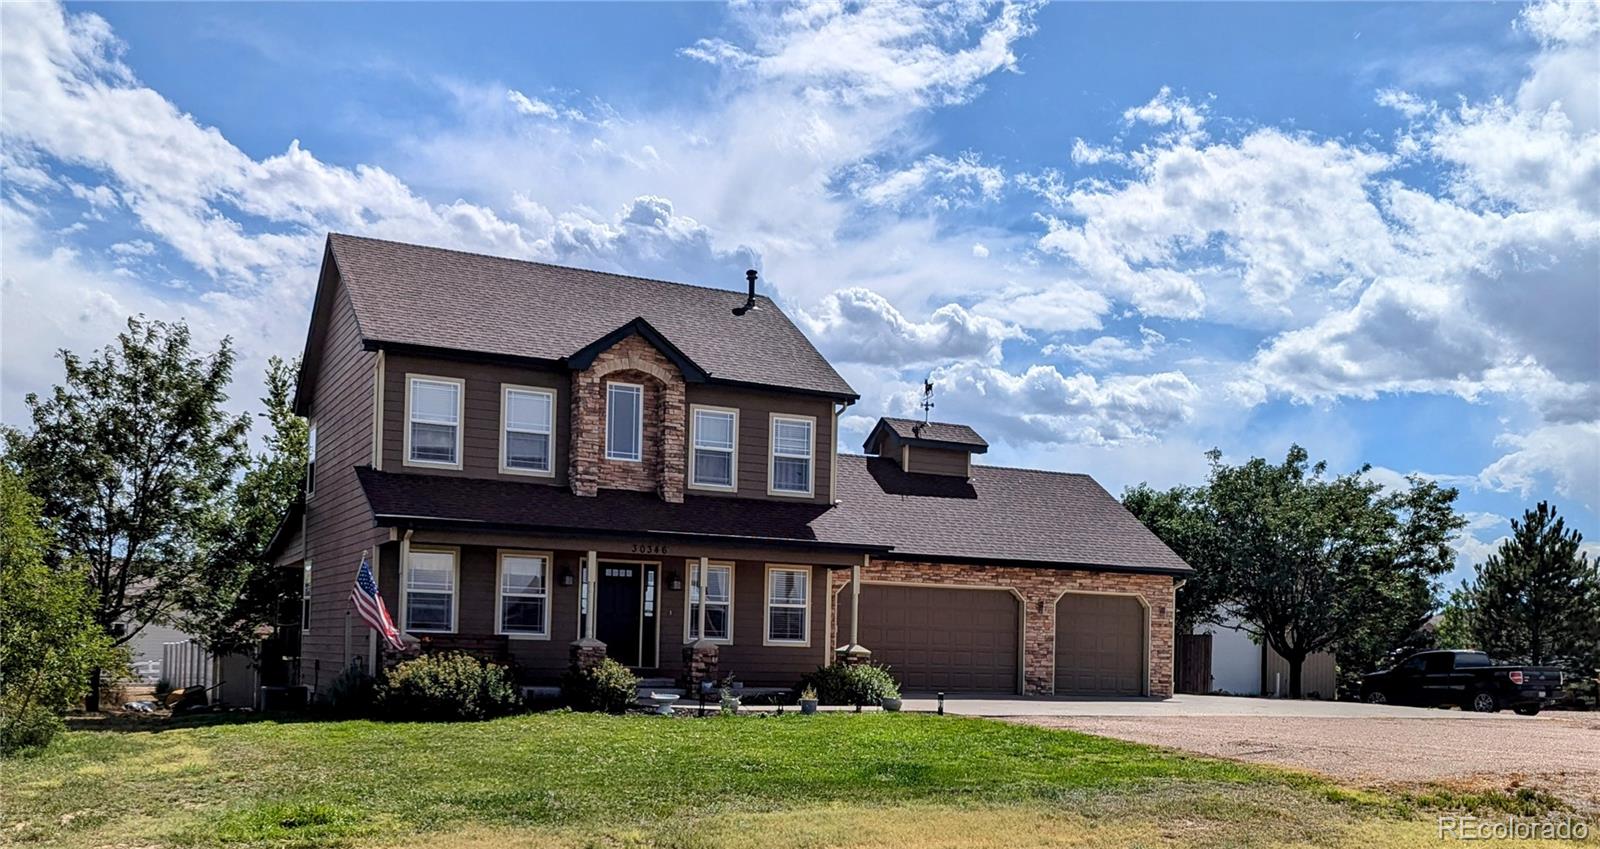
49 642
1537 599
241 591
1307 563
1455 621
130 458
1180 517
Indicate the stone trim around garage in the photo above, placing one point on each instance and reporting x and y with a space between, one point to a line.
1040 589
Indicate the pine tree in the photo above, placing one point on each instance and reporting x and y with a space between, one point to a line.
1537 599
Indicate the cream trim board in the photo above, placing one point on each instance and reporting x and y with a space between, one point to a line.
461 401
305 597
505 404
499 596
377 411
766 607
688 599
1144 605
638 429
772 455
455 587
734 460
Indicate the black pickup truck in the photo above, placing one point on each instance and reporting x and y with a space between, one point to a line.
1466 679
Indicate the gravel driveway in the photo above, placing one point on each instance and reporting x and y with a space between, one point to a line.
1558 752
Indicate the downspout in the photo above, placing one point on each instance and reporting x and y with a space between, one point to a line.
833 466
405 567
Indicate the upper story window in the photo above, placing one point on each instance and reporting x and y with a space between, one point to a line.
430 591
719 602
311 458
433 421
792 461
528 429
713 439
624 421
523 594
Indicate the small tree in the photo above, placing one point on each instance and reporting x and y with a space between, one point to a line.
241 590
1537 599
1179 516
129 458
1307 563
49 642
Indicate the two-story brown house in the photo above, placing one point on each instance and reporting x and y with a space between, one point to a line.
547 464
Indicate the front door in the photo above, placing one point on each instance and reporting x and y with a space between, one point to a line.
627 610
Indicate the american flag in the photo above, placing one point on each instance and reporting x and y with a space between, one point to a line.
364 595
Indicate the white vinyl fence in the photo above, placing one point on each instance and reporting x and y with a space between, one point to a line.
186 664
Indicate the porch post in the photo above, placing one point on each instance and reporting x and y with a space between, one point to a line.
593 560
700 584
854 652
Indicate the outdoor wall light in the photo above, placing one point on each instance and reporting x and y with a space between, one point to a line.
566 577
674 581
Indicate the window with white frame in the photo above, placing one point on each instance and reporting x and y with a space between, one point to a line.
713 455
433 434
719 602
624 421
305 598
430 587
526 438
524 601
788 602
791 455
311 458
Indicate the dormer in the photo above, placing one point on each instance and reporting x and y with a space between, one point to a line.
926 448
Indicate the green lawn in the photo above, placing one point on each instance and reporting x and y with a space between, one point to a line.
569 779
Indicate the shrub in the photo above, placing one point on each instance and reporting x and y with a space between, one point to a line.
451 686
852 684
26 730
351 694
607 686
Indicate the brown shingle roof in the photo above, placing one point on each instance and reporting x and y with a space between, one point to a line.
397 497
436 298
998 514
911 430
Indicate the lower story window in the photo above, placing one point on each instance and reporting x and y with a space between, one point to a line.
431 591
788 603
524 594
719 602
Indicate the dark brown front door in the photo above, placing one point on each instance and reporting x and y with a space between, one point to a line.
1099 645
627 610
937 638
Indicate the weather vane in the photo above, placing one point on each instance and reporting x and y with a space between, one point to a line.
927 398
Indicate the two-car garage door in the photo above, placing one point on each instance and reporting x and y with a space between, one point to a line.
939 638
968 640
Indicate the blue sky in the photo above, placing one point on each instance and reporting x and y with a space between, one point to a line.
1116 235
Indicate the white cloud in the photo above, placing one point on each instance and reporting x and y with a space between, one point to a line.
859 325
980 250
1166 110
1042 405
1566 454
935 181
1104 351
1061 306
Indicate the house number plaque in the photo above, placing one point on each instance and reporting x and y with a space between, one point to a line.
648 548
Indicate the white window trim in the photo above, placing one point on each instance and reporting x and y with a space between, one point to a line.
688 601
766 612
772 456
311 458
733 461
505 404
455 592
499 595
638 431
461 424
305 598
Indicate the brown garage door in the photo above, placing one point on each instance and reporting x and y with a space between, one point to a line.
956 640
1099 645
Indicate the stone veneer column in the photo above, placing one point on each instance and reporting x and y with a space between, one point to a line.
586 653
700 659
663 463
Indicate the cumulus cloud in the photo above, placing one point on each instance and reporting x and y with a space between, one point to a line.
859 325
1042 405
1104 351
1567 454
934 180
1060 306
1165 110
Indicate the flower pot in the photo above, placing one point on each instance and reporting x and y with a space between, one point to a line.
808 706
891 705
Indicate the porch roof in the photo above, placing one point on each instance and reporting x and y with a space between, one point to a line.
399 499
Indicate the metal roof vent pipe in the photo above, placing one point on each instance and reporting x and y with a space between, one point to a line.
750 300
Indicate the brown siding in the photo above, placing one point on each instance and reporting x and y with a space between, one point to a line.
755 411
480 441
937 461
338 525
